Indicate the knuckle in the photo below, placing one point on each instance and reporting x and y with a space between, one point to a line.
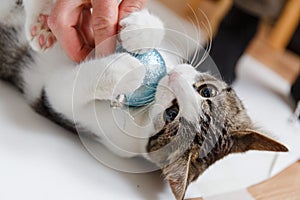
56 23
52 22
133 6
103 23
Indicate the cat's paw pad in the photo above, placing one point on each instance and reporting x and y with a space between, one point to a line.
141 31
39 34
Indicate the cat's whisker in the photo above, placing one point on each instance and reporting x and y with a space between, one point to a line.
174 45
206 51
197 31
209 32
187 47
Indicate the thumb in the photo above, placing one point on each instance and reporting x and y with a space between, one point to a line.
105 18
129 6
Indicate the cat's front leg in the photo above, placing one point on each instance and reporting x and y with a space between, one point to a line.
113 75
141 31
37 31
83 96
101 79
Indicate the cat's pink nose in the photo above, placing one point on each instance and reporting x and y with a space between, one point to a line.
173 76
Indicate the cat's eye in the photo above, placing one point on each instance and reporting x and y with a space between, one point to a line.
171 113
207 91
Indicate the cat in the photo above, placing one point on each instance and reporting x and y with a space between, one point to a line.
195 119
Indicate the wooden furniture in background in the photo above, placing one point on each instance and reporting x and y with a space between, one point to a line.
214 10
284 186
268 46
197 11
283 62
286 25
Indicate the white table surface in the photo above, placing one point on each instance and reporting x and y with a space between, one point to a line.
39 160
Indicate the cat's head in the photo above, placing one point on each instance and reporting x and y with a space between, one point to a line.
199 120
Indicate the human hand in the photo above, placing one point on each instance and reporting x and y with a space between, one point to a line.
79 31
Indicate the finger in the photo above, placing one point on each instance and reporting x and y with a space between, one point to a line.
63 22
129 6
105 18
86 27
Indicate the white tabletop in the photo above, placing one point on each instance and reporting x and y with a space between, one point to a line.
39 160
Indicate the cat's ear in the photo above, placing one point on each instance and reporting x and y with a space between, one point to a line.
252 140
179 175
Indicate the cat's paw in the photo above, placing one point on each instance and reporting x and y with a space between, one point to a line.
127 76
39 34
141 31
123 74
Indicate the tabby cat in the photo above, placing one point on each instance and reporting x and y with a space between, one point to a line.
194 120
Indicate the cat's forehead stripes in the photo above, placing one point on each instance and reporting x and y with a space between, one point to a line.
198 86
204 78
211 81
202 81
227 89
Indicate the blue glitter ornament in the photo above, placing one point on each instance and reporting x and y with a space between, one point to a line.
155 71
